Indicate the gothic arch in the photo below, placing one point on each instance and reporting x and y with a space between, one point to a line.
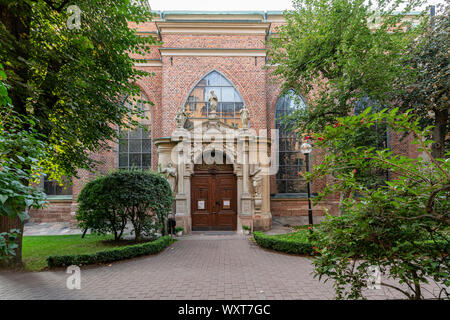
203 77
230 100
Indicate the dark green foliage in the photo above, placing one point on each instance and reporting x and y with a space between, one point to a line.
293 243
8 245
20 154
401 227
74 81
330 52
112 255
107 203
67 85
426 79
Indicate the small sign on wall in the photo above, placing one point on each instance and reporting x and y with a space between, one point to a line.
201 205
226 204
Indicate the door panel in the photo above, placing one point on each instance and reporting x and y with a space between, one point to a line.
225 196
213 201
201 202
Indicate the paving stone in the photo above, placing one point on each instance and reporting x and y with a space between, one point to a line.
196 267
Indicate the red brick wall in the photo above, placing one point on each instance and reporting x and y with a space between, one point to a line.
168 87
56 211
180 77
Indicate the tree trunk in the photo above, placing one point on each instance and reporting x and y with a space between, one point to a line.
439 133
6 225
137 234
417 289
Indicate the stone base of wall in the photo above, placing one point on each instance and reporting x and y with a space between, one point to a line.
299 208
185 222
286 211
296 221
262 222
55 211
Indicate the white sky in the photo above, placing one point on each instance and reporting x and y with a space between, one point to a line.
229 5
219 5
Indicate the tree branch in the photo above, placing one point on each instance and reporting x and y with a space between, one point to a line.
398 289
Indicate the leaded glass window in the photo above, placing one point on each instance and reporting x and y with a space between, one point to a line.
54 188
229 100
291 160
135 144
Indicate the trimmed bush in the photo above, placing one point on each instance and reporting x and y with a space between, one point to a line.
107 203
112 255
296 242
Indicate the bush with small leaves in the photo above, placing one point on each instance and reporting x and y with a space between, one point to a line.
107 203
401 227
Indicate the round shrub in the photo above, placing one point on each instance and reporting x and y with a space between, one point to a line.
107 203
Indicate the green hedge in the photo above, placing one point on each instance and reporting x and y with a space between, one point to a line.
297 243
283 244
112 255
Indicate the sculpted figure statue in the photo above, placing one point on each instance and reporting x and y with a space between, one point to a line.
181 118
245 117
213 101
257 181
171 175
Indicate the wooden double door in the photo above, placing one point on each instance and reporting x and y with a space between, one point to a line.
214 198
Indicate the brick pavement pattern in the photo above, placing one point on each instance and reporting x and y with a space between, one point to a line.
196 267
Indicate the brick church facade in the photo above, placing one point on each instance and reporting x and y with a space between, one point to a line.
213 99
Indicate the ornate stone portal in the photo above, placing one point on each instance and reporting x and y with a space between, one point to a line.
208 143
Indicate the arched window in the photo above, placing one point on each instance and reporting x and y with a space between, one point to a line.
291 160
53 188
375 136
229 100
135 144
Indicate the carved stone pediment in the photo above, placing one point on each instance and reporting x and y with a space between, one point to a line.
213 125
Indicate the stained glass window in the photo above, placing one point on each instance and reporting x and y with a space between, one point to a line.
291 160
53 188
229 100
135 144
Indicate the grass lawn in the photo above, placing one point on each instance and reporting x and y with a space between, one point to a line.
36 249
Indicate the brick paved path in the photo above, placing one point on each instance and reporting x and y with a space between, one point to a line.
196 267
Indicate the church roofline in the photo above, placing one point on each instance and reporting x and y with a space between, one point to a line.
263 14
234 15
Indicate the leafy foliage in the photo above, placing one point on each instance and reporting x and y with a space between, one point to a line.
67 87
296 242
425 86
401 227
111 255
20 155
107 203
74 81
8 245
338 52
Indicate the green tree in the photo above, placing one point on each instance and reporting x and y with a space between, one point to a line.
425 90
20 154
338 52
73 81
401 227
142 198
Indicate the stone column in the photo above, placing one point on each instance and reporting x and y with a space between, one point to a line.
246 212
